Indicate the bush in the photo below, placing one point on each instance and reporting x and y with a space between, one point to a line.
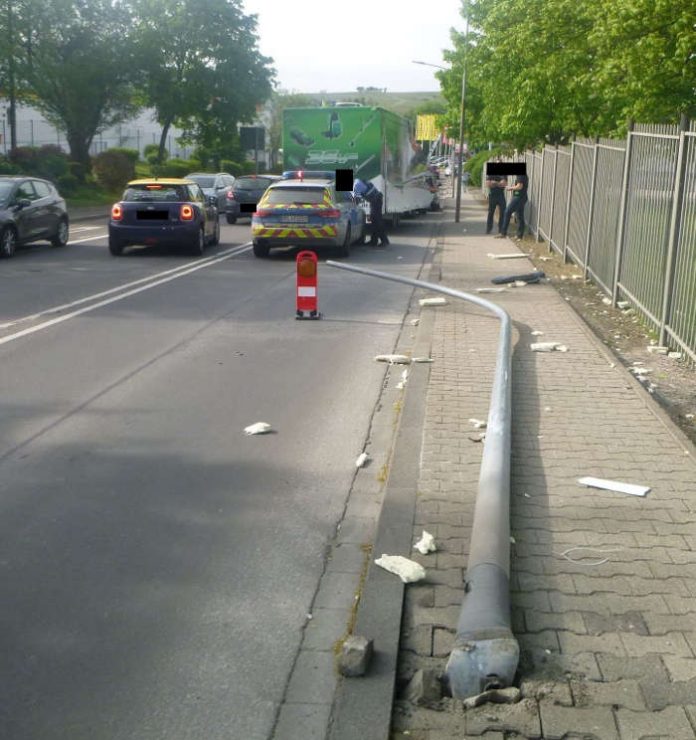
151 153
6 167
78 170
113 169
474 165
67 184
228 165
48 161
177 168
132 154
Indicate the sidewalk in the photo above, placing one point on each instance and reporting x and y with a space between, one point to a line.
603 584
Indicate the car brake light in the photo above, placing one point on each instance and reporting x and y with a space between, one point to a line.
116 212
331 213
186 212
262 212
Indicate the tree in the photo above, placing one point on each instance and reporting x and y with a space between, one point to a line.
200 65
71 63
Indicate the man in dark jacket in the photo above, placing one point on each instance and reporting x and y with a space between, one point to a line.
496 185
376 201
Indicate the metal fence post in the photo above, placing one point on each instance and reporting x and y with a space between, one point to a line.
568 202
622 215
593 188
553 195
541 195
674 230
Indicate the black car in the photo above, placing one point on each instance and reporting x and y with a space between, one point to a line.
30 210
164 211
246 193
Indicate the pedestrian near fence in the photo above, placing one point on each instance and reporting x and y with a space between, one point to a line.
496 185
516 206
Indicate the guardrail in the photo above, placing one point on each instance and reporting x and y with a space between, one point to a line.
485 653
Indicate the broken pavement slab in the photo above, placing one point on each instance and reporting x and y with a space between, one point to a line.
356 653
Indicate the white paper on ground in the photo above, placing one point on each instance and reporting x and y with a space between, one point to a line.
408 570
261 427
393 359
426 544
613 485
362 459
548 347
432 301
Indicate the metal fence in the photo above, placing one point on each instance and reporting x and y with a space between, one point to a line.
625 211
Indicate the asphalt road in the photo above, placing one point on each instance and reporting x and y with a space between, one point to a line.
156 564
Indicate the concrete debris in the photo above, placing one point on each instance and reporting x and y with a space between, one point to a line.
510 695
261 427
404 376
480 438
393 359
422 359
674 355
415 322
657 349
424 687
639 370
356 653
548 347
491 290
426 543
689 416
537 333
432 301
478 423
363 457
623 305
606 301
408 570
515 255
613 485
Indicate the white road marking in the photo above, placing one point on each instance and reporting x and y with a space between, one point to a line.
88 238
152 283
85 228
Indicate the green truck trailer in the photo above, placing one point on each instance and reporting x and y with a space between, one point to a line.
375 143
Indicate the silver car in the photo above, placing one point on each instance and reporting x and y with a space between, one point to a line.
218 184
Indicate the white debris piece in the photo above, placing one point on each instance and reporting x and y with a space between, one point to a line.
514 255
623 305
606 301
674 355
657 349
393 359
640 370
408 570
363 457
491 290
404 376
426 543
414 322
612 485
432 301
423 359
548 347
478 423
520 283
537 333
261 427
689 416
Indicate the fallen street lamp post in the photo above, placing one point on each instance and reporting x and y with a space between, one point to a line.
485 653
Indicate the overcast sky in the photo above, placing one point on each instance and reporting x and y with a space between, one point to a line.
339 46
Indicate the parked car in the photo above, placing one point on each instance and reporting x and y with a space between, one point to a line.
31 209
218 184
166 211
306 213
246 193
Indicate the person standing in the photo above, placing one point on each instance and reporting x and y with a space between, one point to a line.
496 185
376 201
516 205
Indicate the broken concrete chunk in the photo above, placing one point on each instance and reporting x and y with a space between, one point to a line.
408 570
478 423
261 427
640 370
362 459
414 322
423 359
393 359
537 333
548 347
613 485
426 543
674 355
491 290
510 695
514 255
432 301
356 653
424 687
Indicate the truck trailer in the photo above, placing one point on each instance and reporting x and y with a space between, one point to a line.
375 143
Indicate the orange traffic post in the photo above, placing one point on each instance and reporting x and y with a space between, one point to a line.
307 286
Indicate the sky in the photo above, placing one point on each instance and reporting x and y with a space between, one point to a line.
338 46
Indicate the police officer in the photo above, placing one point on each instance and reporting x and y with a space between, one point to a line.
376 201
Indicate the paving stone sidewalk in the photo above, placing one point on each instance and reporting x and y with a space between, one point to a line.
603 584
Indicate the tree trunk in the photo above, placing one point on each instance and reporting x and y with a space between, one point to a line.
163 140
79 152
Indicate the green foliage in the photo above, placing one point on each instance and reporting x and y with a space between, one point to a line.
178 167
113 169
229 166
151 152
474 165
48 161
67 184
132 154
552 70
7 167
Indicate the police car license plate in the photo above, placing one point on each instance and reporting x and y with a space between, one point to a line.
294 219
